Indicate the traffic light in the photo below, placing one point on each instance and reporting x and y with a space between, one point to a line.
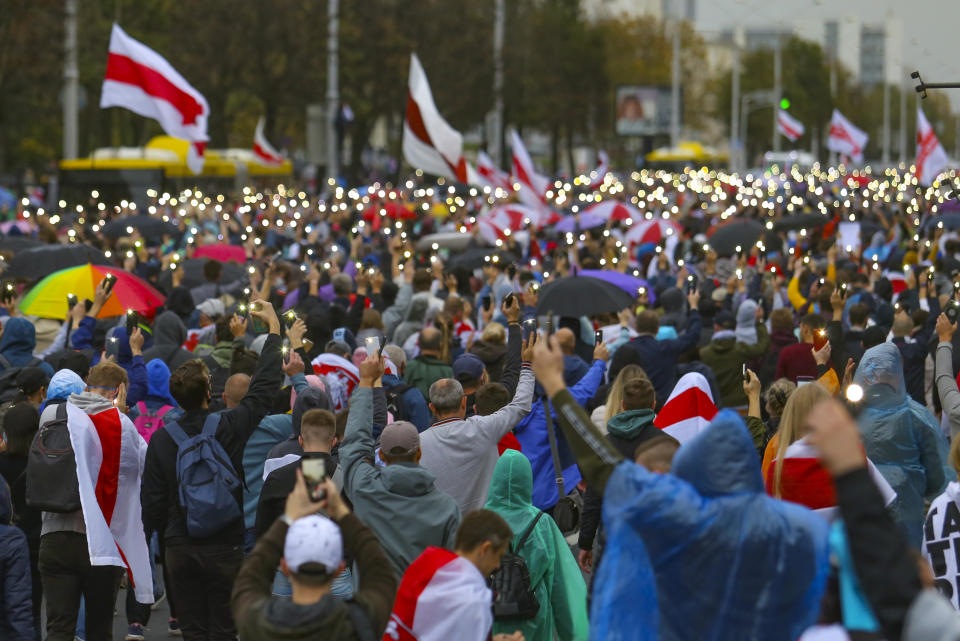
784 103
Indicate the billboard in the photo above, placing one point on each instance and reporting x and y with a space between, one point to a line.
642 111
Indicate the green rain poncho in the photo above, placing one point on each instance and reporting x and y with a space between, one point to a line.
554 573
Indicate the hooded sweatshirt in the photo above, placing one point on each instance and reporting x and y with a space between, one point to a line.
16 612
169 333
18 342
399 502
119 345
726 356
554 575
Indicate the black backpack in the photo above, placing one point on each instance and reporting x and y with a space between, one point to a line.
52 484
513 597
396 406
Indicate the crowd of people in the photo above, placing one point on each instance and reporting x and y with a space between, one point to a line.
363 432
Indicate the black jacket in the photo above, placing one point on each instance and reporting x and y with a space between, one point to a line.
277 487
159 491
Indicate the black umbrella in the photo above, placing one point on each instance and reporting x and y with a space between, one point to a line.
19 243
149 227
42 261
742 233
582 296
193 273
796 222
475 257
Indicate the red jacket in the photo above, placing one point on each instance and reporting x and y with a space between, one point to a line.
796 360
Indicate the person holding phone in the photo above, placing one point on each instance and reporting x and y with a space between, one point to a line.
400 501
797 360
727 354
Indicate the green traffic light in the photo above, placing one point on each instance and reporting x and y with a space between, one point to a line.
784 103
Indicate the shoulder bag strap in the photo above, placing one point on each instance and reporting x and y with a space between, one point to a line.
142 408
176 432
4 362
554 451
211 424
526 532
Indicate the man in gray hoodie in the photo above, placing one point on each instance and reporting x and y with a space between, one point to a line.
168 337
399 502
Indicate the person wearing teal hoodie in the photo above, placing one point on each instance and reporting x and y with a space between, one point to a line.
554 575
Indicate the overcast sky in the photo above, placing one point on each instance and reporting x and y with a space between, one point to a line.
931 28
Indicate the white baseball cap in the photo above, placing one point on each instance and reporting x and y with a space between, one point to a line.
313 539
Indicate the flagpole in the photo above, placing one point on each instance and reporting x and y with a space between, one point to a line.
903 123
777 91
333 89
498 26
71 80
886 123
675 87
735 109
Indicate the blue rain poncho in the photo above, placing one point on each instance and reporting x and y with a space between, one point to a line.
705 550
901 437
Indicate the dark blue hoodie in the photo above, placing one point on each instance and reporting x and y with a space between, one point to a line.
18 342
16 614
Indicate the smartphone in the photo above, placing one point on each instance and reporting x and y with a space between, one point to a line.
743 371
691 283
372 344
71 301
285 352
548 328
111 281
952 310
598 337
529 327
486 301
819 339
133 319
313 466
804 380
508 300
290 317
9 292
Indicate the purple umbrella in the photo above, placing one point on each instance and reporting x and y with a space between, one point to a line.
626 282
587 220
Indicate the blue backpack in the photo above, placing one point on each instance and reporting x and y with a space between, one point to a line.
206 478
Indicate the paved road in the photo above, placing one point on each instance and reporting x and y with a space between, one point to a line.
156 629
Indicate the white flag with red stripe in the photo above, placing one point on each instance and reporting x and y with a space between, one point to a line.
689 409
430 144
598 174
845 138
341 376
805 481
533 186
141 80
931 156
442 597
491 174
262 148
789 126
110 455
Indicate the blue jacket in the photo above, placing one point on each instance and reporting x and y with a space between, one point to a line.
574 368
414 402
658 358
138 385
708 528
18 342
532 434
16 613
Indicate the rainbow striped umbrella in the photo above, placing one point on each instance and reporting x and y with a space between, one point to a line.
48 298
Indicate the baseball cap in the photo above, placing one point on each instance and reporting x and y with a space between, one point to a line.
468 364
725 319
400 439
719 294
31 379
313 540
212 307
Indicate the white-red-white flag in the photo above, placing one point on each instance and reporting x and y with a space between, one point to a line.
598 174
533 186
110 455
789 126
341 377
141 80
931 156
491 174
845 138
262 148
689 409
430 144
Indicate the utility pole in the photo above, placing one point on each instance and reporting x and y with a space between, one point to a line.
903 122
675 87
777 91
885 149
333 88
71 83
735 109
498 26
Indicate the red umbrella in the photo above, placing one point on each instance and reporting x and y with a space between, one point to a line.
221 252
615 210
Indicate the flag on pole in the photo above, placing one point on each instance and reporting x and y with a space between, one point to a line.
110 455
845 138
430 144
789 126
931 157
689 409
262 148
533 186
491 174
141 80
598 174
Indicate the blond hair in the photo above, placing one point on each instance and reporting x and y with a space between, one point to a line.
494 333
793 424
615 396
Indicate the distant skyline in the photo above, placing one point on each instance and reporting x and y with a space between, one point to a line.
930 39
